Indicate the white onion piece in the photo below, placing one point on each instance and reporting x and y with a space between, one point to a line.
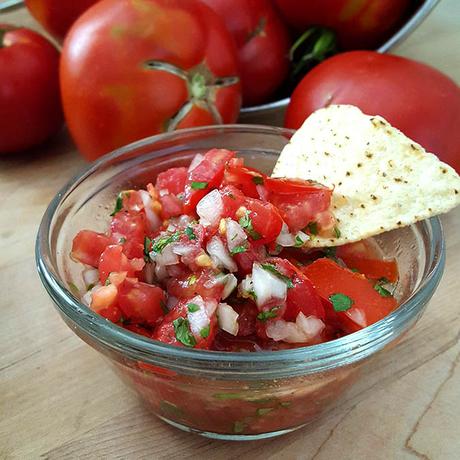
227 318
88 296
165 257
219 254
236 236
182 249
303 330
267 285
195 162
211 306
285 238
301 236
230 285
153 220
210 208
198 319
149 272
90 276
246 287
357 316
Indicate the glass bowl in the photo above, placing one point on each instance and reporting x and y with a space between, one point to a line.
221 394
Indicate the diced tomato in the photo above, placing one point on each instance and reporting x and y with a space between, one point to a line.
364 258
263 223
87 247
205 176
129 229
172 181
104 302
247 314
299 201
204 283
114 260
232 199
368 306
138 330
140 302
245 260
301 297
242 177
166 330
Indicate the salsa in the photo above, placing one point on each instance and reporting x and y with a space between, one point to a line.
216 256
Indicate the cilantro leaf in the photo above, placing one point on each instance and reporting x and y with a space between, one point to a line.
182 332
246 223
192 307
298 241
380 289
337 232
312 228
192 279
268 314
199 185
272 269
238 250
205 332
163 241
258 180
147 248
190 233
119 203
341 302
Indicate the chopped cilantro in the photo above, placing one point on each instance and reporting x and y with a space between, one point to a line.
272 269
337 232
182 332
192 307
107 281
90 286
312 228
246 223
205 332
285 403
380 289
192 279
298 241
190 233
238 427
163 241
341 302
119 203
258 180
268 314
199 185
73 288
238 250
263 411
253 295
122 240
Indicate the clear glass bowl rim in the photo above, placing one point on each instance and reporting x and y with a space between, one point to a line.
311 359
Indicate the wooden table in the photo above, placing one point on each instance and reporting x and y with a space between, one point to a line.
58 399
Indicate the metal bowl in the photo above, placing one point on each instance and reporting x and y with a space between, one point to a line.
273 112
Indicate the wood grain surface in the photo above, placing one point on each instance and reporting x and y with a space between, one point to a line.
59 400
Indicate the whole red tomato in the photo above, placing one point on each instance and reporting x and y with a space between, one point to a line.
359 24
30 107
131 69
56 16
419 100
263 45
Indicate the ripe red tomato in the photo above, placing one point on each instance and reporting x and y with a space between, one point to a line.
30 107
87 247
56 16
262 222
358 24
263 45
415 98
134 69
243 177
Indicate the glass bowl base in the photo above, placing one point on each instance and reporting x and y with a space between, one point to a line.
229 437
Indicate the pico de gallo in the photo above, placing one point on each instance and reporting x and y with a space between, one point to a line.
216 256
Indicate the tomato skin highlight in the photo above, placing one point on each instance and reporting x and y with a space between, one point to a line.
30 105
131 93
396 88
329 278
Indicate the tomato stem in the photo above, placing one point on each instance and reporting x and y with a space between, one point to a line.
312 47
197 85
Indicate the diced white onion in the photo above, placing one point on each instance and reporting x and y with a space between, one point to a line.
165 257
267 285
236 236
195 162
153 220
182 249
211 306
285 238
88 296
198 319
230 285
301 236
227 318
90 276
246 287
210 208
357 316
302 331
219 254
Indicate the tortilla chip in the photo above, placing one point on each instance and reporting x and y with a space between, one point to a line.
382 180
